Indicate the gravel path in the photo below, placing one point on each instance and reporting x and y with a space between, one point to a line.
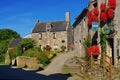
57 64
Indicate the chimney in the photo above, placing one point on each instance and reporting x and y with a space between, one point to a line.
37 21
68 17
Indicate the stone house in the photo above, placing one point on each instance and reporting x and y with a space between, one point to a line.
55 34
81 30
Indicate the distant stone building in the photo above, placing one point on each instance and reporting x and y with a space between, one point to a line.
81 30
28 36
55 34
14 43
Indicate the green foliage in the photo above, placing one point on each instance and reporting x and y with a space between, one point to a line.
13 53
3 46
43 60
33 52
102 31
19 50
37 49
27 43
2 58
48 54
103 40
45 57
65 70
29 54
88 41
6 35
63 48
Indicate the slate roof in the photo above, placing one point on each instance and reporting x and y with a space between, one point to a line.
56 26
15 42
80 17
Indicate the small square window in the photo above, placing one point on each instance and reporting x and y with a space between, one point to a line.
40 36
63 41
54 35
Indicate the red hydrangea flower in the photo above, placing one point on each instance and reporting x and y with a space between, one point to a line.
89 50
95 11
112 4
103 16
95 49
89 21
102 7
94 18
89 14
72 46
110 13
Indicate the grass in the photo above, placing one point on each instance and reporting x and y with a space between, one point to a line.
3 62
65 70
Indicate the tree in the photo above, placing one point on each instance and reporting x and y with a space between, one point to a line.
27 43
6 35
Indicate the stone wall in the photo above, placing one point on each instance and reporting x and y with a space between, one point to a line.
47 39
117 28
28 62
7 59
80 33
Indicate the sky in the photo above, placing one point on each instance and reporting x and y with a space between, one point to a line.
21 15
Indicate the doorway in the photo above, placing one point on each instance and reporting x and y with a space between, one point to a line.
111 43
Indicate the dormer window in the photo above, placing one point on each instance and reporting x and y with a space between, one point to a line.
40 36
48 27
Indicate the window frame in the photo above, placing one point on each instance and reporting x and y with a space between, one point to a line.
54 36
40 36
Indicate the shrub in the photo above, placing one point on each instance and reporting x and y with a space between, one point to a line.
19 50
30 53
13 53
2 58
51 54
37 49
45 54
63 48
27 43
44 61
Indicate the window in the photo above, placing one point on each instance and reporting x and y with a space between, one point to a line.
63 41
48 27
54 35
95 4
40 36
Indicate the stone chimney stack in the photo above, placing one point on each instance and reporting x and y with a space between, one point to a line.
37 21
68 17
